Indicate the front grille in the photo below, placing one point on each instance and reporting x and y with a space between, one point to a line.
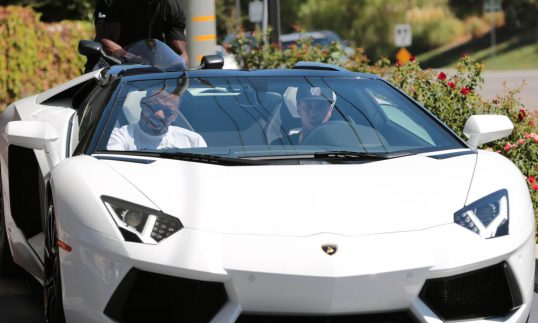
394 317
149 297
487 292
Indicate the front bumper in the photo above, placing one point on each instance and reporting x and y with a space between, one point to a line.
280 277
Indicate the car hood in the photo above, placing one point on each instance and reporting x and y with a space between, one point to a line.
400 194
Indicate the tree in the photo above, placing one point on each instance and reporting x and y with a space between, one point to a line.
367 23
57 10
464 8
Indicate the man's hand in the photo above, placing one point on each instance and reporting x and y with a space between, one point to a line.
180 47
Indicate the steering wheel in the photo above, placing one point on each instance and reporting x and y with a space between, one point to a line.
334 133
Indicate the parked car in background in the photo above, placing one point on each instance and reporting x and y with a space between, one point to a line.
322 38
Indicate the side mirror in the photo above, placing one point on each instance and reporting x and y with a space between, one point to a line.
38 135
215 62
90 48
481 129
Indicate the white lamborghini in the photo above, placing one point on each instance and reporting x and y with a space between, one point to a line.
376 212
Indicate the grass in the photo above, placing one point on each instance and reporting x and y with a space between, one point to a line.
512 52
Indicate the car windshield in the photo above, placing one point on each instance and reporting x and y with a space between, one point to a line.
261 116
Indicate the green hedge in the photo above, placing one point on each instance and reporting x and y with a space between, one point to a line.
35 56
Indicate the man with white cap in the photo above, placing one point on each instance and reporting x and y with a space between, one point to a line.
315 105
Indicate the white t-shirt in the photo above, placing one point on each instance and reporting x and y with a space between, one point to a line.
132 137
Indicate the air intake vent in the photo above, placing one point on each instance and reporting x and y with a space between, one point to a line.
393 317
148 297
487 292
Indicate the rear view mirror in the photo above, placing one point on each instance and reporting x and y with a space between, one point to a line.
481 129
90 48
212 62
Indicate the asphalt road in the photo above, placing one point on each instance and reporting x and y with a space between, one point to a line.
497 82
21 300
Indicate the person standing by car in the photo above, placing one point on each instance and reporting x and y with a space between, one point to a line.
315 106
100 15
159 109
127 21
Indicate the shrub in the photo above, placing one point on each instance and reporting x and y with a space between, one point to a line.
35 56
433 27
454 99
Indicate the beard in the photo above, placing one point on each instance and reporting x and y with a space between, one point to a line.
152 125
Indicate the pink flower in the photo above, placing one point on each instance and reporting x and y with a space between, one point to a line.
465 90
507 147
527 136
441 76
520 141
452 84
398 63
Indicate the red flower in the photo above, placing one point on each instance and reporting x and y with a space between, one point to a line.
507 147
465 90
535 187
452 84
522 114
464 55
441 76
532 179
412 58
398 63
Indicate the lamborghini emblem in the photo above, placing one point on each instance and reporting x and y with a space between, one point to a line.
329 249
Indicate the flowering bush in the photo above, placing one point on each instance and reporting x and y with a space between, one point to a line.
35 56
452 98
251 53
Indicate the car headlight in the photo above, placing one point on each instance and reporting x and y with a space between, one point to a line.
487 217
141 224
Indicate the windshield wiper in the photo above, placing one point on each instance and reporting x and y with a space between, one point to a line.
354 155
198 158
210 159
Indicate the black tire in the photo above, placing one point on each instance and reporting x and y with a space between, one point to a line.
7 266
52 287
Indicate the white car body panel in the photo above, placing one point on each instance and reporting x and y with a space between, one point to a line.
252 248
360 191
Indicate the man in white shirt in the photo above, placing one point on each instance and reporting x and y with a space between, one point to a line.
154 131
